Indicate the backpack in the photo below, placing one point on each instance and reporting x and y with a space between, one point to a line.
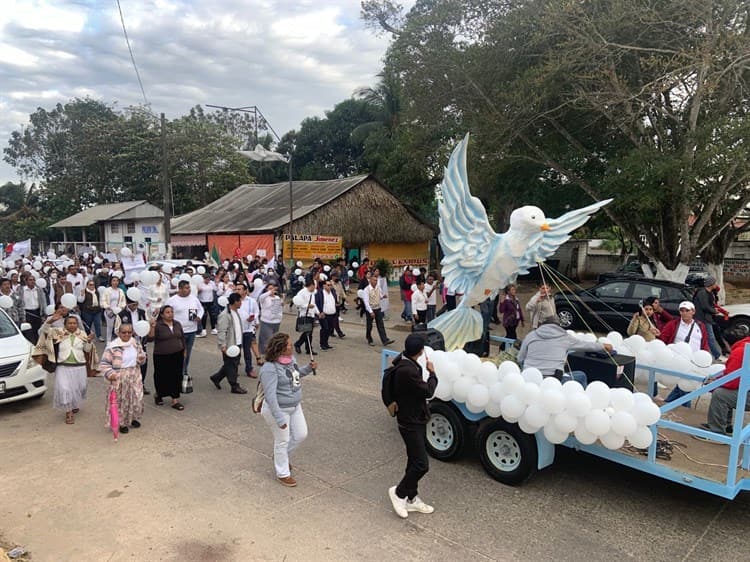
387 390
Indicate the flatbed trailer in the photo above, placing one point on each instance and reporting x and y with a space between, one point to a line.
720 466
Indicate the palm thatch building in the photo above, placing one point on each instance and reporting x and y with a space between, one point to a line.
351 217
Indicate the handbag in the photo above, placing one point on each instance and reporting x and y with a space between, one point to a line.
305 324
187 384
260 395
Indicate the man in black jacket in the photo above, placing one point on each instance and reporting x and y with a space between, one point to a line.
411 393
705 311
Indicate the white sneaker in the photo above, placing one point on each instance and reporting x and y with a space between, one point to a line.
201 334
418 505
214 332
399 504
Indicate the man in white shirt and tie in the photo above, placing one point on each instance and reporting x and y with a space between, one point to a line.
371 299
325 300
250 316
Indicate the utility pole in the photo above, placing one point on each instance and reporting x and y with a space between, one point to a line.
166 192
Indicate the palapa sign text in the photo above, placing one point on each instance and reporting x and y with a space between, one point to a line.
311 246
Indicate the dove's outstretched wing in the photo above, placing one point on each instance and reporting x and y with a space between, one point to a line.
559 231
465 233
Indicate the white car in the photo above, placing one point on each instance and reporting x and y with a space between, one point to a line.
20 376
739 317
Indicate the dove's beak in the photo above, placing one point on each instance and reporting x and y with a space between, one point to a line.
545 227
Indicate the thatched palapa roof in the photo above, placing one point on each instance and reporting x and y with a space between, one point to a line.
360 209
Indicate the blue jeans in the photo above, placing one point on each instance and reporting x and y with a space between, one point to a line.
713 345
189 341
676 393
94 322
579 376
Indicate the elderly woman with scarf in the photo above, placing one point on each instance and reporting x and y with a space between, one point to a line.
120 365
67 348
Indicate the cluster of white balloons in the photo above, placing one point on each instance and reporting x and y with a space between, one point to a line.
674 357
536 403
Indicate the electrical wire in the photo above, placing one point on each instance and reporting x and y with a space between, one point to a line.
130 50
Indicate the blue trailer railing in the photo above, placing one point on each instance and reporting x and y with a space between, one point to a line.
739 442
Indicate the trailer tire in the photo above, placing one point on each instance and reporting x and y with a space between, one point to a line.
445 433
507 453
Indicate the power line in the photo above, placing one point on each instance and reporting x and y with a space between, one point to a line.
130 50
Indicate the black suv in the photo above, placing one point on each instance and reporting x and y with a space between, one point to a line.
633 270
613 303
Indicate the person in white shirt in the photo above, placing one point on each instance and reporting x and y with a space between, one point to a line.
385 302
419 303
76 280
230 334
431 289
371 297
188 312
271 312
34 303
304 300
206 294
250 316
112 303
325 301
158 294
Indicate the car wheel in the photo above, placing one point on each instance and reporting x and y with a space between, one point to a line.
507 453
567 318
445 434
740 324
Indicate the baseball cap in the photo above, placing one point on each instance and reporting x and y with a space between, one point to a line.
687 304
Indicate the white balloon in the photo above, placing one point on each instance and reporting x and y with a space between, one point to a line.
35 274
598 393
117 274
583 435
449 372
496 393
298 271
354 264
621 399
512 407
41 283
604 340
326 268
350 273
642 437
222 301
115 310
551 383
646 413
37 265
612 440
134 294
68 300
141 328
571 387
443 390
655 344
684 349
535 415
184 277
478 396
175 281
196 280
533 375
299 264
508 367
49 309
461 389
27 267
166 268
645 357
579 404
702 358
488 374
689 385
565 421
513 382
126 252
529 393
635 342
527 427
6 301
598 422
98 260
493 410
323 277
471 364
553 400
623 423
233 351
101 290
554 435
201 270
473 408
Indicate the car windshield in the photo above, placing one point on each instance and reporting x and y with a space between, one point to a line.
7 327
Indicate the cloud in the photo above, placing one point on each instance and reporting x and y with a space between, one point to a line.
291 58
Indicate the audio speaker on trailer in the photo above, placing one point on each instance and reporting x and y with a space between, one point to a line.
616 371
431 336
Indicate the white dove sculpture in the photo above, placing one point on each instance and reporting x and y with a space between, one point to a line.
477 261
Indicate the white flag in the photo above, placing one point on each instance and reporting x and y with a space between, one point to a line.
22 248
260 154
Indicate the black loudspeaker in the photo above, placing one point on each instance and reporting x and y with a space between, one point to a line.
616 371
431 337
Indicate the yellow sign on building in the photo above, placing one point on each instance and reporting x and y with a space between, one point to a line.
307 247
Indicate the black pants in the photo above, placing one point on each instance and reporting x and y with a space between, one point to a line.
417 464
228 370
421 316
326 328
305 338
379 323
208 313
247 350
335 325
33 318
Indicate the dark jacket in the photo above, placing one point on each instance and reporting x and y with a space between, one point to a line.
411 391
705 305
319 298
166 341
510 307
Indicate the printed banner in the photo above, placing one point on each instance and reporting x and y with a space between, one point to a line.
307 247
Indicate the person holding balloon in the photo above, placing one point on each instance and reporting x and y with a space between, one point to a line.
112 303
229 340
120 365
90 307
133 314
169 354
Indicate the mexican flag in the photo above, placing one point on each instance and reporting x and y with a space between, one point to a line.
215 255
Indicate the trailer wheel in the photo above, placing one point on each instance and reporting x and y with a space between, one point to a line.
445 434
507 453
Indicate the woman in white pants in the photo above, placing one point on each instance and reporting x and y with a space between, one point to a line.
282 409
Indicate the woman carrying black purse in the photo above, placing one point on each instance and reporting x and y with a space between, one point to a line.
307 312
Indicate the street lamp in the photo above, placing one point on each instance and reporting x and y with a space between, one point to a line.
261 154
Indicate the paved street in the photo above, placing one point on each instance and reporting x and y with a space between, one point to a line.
199 485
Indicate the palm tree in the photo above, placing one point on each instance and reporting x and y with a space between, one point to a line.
385 99
17 202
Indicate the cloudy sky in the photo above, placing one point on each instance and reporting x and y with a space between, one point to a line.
291 58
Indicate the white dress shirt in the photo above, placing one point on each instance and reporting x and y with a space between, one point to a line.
696 337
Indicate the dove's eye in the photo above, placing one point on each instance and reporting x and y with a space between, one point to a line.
533 217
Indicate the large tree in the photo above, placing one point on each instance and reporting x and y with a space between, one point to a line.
641 100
